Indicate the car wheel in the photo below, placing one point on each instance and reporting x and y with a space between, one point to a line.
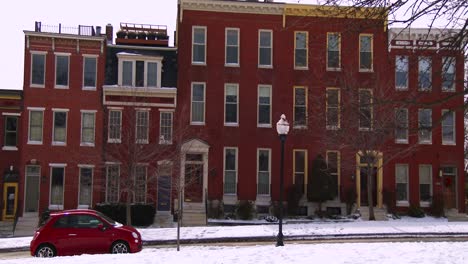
45 251
120 247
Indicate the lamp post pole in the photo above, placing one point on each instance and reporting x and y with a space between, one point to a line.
279 240
282 127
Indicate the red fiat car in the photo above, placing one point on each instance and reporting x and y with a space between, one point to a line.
75 232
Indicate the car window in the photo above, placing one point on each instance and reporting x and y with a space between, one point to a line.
62 222
87 221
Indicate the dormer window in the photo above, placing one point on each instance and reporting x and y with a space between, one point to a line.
139 71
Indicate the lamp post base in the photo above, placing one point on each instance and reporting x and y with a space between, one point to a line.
279 240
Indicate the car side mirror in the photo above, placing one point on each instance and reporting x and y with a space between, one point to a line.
102 227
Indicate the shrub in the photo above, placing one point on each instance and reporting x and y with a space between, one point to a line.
415 211
437 205
294 195
244 210
349 198
389 199
142 214
215 209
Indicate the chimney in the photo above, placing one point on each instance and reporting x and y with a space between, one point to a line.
109 33
98 31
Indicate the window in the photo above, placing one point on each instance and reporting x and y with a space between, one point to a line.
230 170
57 181
333 108
448 127
115 124
87 127
300 170
140 183
300 107
401 125
401 179
425 126
401 72
89 72
365 109
300 50
165 127
365 52
333 51
62 67
142 121
232 46
263 165
60 127
198 103
448 74
86 186
11 132
424 74
333 163
198 45
231 104
36 118
139 70
425 184
265 48
112 183
264 105
38 68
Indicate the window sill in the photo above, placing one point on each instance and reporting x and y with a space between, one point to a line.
301 127
424 90
424 204
115 141
55 207
449 144
83 207
231 124
265 66
165 142
61 87
142 142
425 142
34 142
301 68
366 70
448 90
230 199
333 69
10 148
89 88
401 89
232 65
59 144
37 86
264 125
87 145
197 123
401 141
194 63
402 203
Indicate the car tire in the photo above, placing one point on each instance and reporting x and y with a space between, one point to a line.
120 247
45 251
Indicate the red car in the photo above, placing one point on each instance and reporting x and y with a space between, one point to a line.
74 232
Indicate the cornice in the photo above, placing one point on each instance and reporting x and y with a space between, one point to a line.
334 11
263 8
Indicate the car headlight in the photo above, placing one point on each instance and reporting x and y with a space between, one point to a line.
135 235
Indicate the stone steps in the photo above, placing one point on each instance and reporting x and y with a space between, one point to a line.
6 228
194 214
454 216
379 213
26 225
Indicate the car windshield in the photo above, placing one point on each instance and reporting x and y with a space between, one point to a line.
108 219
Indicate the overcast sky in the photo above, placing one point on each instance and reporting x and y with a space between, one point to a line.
19 15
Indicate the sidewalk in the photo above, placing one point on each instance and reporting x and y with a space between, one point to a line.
404 228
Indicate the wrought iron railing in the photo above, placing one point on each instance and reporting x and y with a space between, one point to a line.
60 29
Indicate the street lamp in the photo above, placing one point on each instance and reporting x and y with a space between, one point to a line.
282 127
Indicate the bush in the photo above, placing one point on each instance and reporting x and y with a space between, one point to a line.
142 214
294 195
349 198
389 199
244 210
415 211
215 209
437 206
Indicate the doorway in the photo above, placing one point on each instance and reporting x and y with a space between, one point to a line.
363 159
449 186
10 200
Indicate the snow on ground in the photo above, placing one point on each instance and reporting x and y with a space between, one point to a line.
382 253
404 225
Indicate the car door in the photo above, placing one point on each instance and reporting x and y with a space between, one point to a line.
63 236
92 239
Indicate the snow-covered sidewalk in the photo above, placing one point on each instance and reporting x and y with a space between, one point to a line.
378 228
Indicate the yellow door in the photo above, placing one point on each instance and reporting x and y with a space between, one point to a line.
10 200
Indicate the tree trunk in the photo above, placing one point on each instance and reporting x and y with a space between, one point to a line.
128 210
370 198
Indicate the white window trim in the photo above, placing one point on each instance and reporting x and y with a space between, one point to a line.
62 54
87 144
161 140
230 196
451 142
425 142
306 107
233 124
339 52
141 141
403 203
424 203
13 115
198 123
258 105
453 88
305 168
31 71
193 43
57 206
114 140
226 64
330 127
133 58
403 141
269 172
60 110
371 51
270 66
306 49
38 109
91 56
85 166
431 81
